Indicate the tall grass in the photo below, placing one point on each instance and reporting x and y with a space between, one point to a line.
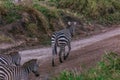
11 12
4 38
106 10
107 69
47 18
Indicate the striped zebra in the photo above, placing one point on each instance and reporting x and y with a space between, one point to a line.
62 39
12 58
8 72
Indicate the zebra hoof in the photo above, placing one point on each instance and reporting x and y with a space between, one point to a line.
53 65
61 61
65 58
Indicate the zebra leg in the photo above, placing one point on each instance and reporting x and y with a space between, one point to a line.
53 64
69 48
60 55
64 56
54 52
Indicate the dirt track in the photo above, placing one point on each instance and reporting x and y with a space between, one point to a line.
85 53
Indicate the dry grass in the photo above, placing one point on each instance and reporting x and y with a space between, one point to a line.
3 38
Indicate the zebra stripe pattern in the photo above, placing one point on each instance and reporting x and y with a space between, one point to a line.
8 72
12 58
62 39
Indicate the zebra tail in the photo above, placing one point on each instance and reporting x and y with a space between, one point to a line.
55 47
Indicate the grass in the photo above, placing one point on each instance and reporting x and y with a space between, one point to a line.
9 11
106 10
5 39
49 15
107 69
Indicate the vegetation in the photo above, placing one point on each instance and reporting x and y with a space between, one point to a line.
105 10
41 17
3 38
107 69
44 15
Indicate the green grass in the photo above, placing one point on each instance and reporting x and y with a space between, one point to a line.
104 11
107 69
11 12
49 16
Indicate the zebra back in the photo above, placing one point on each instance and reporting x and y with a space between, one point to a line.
12 58
8 72
71 26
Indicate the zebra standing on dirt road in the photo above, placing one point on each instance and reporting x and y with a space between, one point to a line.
12 58
8 72
62 39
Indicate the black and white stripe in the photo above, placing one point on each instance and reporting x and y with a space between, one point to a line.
8 72
62 39
12 58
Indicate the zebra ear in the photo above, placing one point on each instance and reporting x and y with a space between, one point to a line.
69 23
75 23
38 62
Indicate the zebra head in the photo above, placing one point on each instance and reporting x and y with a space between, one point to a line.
16 58
32 66
35 68
71 27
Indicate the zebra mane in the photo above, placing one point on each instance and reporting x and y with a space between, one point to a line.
13 53
29 65
31 62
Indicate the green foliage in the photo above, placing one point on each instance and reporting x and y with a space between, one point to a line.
47 12
107 69
12 16
32 30
65 75
106 11
44 16
11 11
8 4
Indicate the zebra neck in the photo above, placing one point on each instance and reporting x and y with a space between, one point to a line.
27 69
71 32
12 58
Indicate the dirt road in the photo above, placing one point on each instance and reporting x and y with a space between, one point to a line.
43 53
85 53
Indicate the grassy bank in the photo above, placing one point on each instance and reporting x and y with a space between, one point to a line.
39 18
104 11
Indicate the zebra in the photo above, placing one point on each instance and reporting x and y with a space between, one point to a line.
8 72
62 39
12 58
